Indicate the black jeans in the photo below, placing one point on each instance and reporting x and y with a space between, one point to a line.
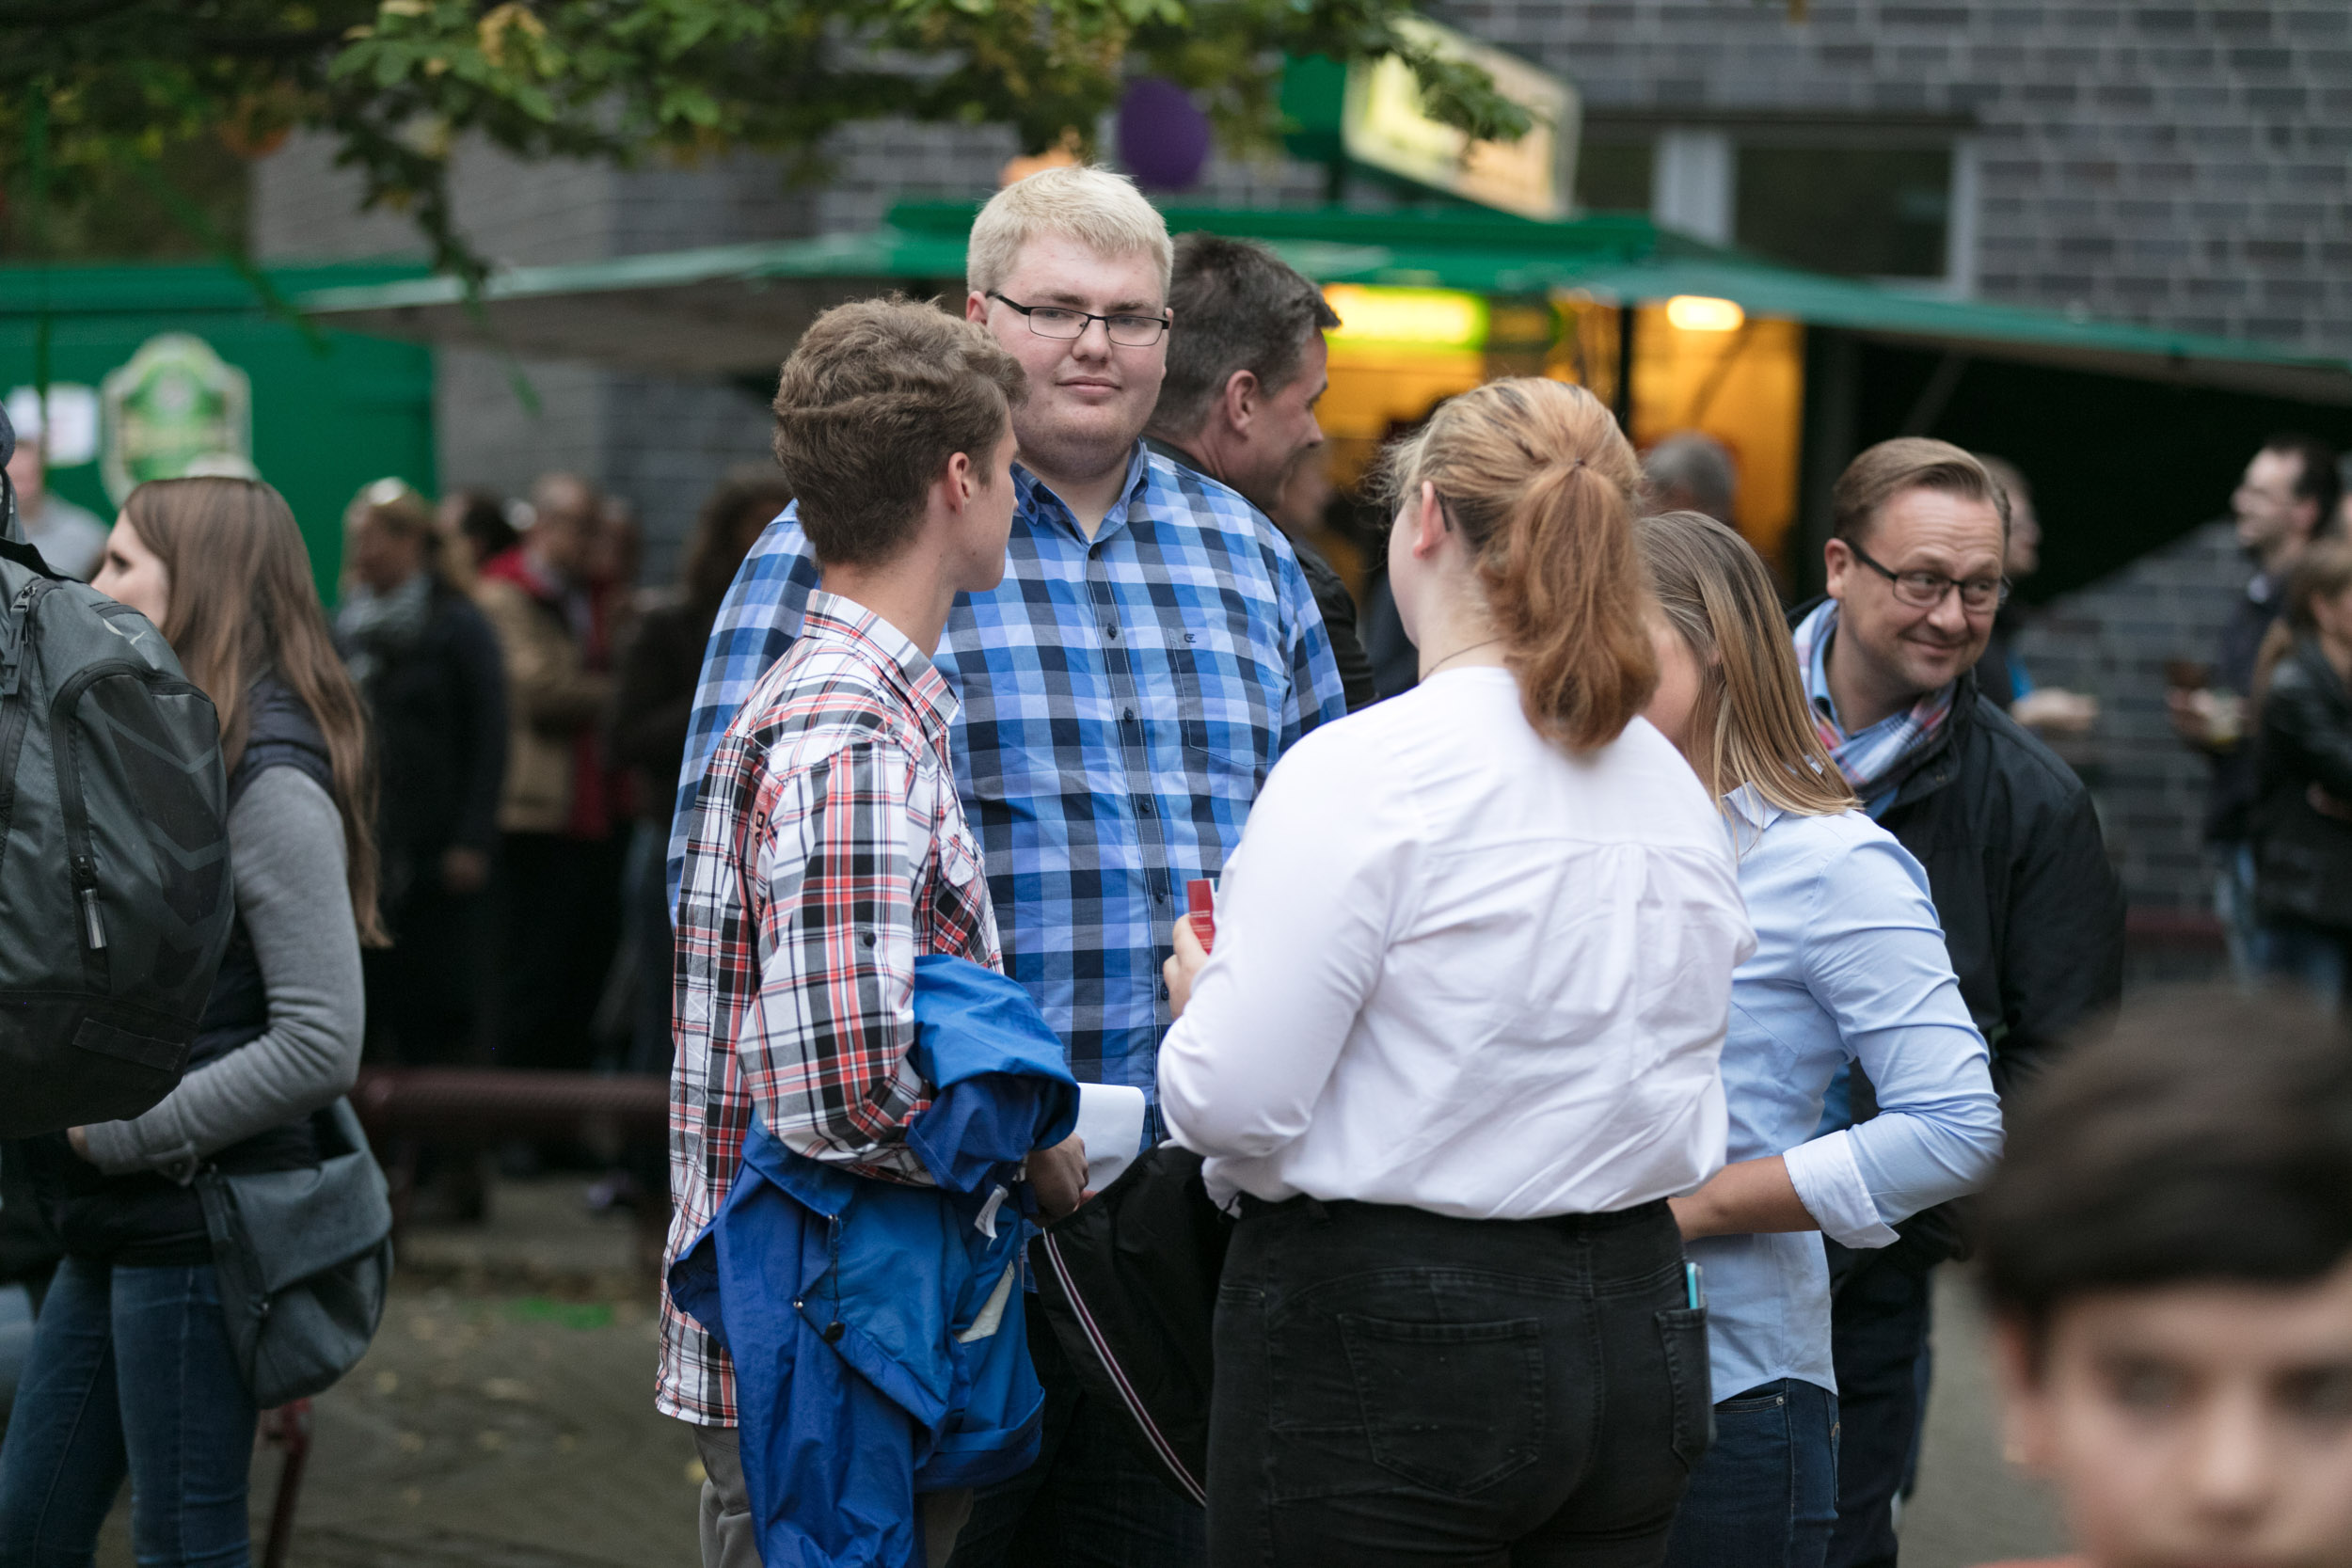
1397 1387
1878 1335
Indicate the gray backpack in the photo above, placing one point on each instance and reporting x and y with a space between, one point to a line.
115 898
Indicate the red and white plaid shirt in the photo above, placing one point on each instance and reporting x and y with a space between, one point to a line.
826 852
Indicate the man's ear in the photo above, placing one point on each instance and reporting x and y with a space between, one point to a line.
1240 402
976 307
1838 564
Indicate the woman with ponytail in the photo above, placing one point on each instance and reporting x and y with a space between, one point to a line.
1457 1046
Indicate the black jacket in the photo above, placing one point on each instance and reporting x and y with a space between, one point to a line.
2032 911
653 702
2302 856
438 703
2230 796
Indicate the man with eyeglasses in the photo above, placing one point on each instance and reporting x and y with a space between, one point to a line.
2032 912
1151 653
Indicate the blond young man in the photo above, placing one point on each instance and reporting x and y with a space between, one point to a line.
1151 652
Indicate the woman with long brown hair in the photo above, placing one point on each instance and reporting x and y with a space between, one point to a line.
131 1368
1457 1046
1850 967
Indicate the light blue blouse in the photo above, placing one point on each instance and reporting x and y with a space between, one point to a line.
1850 965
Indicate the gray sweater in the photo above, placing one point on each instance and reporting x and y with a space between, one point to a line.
286 849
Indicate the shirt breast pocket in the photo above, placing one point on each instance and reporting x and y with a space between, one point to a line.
1227 694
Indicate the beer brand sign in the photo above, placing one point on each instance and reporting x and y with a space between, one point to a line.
176 408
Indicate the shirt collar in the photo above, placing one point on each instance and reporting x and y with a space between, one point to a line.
904 668
1747 816
1038 504
1814 636
1177 455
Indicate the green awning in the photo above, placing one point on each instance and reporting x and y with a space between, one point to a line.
736 310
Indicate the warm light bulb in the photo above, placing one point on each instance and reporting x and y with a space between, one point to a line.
1699 313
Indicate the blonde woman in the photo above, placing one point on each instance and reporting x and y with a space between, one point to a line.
1849 967
1457 1046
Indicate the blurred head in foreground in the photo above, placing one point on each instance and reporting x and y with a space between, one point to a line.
2168 1254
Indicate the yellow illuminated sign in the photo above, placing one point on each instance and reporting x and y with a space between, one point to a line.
1423 318
1383 125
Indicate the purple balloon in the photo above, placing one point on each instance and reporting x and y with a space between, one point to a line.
1163 136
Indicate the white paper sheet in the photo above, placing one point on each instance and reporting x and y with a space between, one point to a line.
1110 1120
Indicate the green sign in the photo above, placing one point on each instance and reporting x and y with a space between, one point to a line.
177 409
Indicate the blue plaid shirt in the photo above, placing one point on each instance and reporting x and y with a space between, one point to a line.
1121 700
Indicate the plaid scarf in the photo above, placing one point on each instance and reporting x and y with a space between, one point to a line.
1869 757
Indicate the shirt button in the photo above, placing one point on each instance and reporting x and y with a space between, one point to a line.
1127 715
866 936
1111 632
1163 997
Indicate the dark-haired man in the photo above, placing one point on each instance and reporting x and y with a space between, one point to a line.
2167 1255
2282 502
2032 912
1238 403
825 854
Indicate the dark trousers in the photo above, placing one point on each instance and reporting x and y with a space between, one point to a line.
424 992
1878 1343
1089 1501
1766 1494
561 912
1395 1386
131 1371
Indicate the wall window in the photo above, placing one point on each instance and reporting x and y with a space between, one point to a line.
1614 176
1895 202
1860 212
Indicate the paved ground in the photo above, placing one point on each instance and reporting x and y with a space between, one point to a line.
504 1420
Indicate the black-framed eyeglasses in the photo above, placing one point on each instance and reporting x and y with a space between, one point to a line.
1926 589
1062 322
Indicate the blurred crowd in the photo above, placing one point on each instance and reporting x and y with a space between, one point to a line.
531 707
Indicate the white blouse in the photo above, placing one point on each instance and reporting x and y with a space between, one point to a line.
1459 969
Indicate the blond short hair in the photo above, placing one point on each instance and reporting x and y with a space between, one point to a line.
1100 210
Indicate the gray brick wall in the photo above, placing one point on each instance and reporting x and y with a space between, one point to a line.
2188 164
2112 638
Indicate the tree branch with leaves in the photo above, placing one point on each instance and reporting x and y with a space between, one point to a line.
90 87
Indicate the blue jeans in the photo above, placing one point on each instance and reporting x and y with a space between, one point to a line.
131 1371
1766 1494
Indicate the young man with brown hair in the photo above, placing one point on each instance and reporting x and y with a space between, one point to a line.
2032 912
827 851
2168 1254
